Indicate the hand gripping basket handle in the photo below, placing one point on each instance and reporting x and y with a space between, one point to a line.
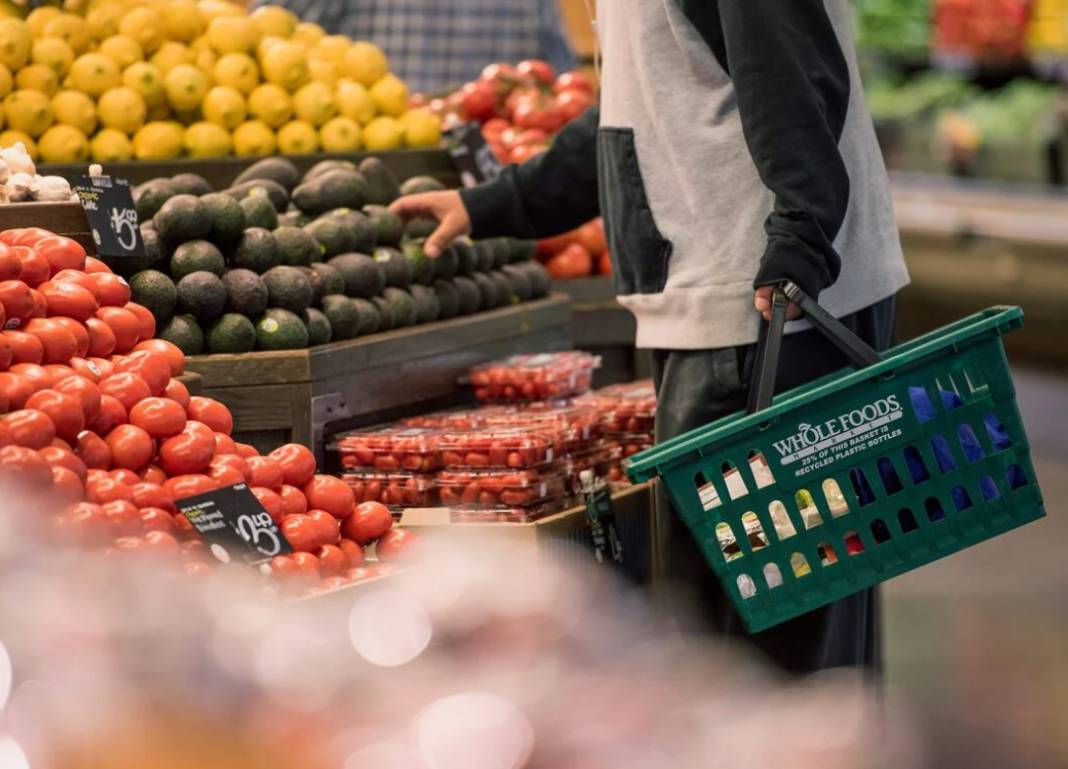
769 344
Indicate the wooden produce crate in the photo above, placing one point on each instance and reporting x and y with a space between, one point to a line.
293 395
61 218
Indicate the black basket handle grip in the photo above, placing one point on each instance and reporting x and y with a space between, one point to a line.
769 343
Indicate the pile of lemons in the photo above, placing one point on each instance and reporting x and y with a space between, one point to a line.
159 79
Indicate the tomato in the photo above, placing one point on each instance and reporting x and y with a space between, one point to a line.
62 253
128 388
266 472
150 366
7 350
157 519
193 426
101 338
10 266
147 494
122 475
368 522
94 265
34 375
68 299
537 70
114 291
14 390
60 457
234 462
27 236
212 413
59 343
396 545
159 417
591 237
573 81
301 532
84 367
30 428
604 264
224 444
325 492
93 451
66 485
307 564
185 529
293 501
35 267
174 355
161 542
571 104
225 476
332 561
55 373
25 348
95 474
85 391
178 393
78 331
271 502
131 447
102 490
297 461
189 485
103 365
244 450
188 452
17 300
153 474
283 568
75 276
144 317
125 324
64 410
549 247
111 414
353 553
573 262
326 525
124 519
88 522
196 569
40 304
478 100
24 464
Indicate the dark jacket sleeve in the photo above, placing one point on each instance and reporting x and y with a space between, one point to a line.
792 83
549 194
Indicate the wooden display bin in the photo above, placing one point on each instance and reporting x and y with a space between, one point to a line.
61 218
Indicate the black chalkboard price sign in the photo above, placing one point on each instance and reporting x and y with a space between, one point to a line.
474 159
112 216
234 525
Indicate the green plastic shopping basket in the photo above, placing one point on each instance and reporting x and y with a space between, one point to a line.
856 477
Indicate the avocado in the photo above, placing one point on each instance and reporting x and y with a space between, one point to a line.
382 186
395 265
505 296
470 295
202 295
280 330
315 280
522 288
448 299
427 307
522 250
323 166
447 265
402 306
259 212
275 191
154 251
368 313
194 256
331 235
190 184
385 313
487 289
288 288
256 251
344 316
318 326
414 229
484 251
389 229
365 238
421 184
333 282
540 282
182 218
363 276
150 197
227 219
278 170
183 331
246 293
294 217
333 189
422 267
296 247
502 251
231 333
154 290
466 256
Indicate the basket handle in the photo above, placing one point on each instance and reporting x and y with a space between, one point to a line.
769 343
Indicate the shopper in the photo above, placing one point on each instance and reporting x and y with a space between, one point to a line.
438 45
732 150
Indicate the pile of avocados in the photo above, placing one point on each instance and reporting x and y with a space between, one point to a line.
281 261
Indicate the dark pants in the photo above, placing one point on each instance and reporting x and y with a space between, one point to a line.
695 387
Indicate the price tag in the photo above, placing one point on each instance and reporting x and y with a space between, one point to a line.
112 216
235 525
474 158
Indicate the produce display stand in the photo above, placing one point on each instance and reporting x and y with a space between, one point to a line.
61 218
293 395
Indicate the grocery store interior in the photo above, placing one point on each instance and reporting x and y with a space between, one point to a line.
309 461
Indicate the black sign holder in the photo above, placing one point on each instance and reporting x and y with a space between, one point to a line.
112 216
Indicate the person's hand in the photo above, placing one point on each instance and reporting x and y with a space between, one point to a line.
447 207
762 302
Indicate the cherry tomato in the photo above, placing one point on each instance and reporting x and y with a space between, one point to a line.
368 522
17 300
131 447
64 410
174 355
85 391
123 518
271 502
78 331
26 465
62 253
325 492
326 525
308 565
68 299
144 317
182 486
147 494
150 366
332 561
30 428
157 519
35 267
396 545
266 472
178 393
297 461
224 444
103 490
93 451
123 475
66 485
114 291
212 413
293 501
94 265
111 414
61 457
354 553
125 325
189 452
159 417
301 532
128 388
10 266
75 276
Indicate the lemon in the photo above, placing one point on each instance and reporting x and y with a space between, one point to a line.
238 71
308 33
270 104
224 106
264 46
365 63
159 111
15 43
37 77
70 28
341 134
170 55
74 108
94 73
213 9
204 60
10 138
54 53
158 140
390 95
322 71
38 17
147 81
232 34
103 20
207 140
145 26
297 137
185 86
383 133
286 66
28 111
422 128
183 21
254 138
274 20
123 109
331 48
314 103
6 81
122 50
110 146
354 101
63 144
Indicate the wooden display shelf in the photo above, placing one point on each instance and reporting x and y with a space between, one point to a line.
293 395
61 218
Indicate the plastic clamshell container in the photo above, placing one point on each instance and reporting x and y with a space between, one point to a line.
579 424
390 449
494 488
541 377
515 448
507 514
462 419
394 490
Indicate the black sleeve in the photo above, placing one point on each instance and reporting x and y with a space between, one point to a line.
792 83
548 195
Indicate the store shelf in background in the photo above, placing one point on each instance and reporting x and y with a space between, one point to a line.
278 397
